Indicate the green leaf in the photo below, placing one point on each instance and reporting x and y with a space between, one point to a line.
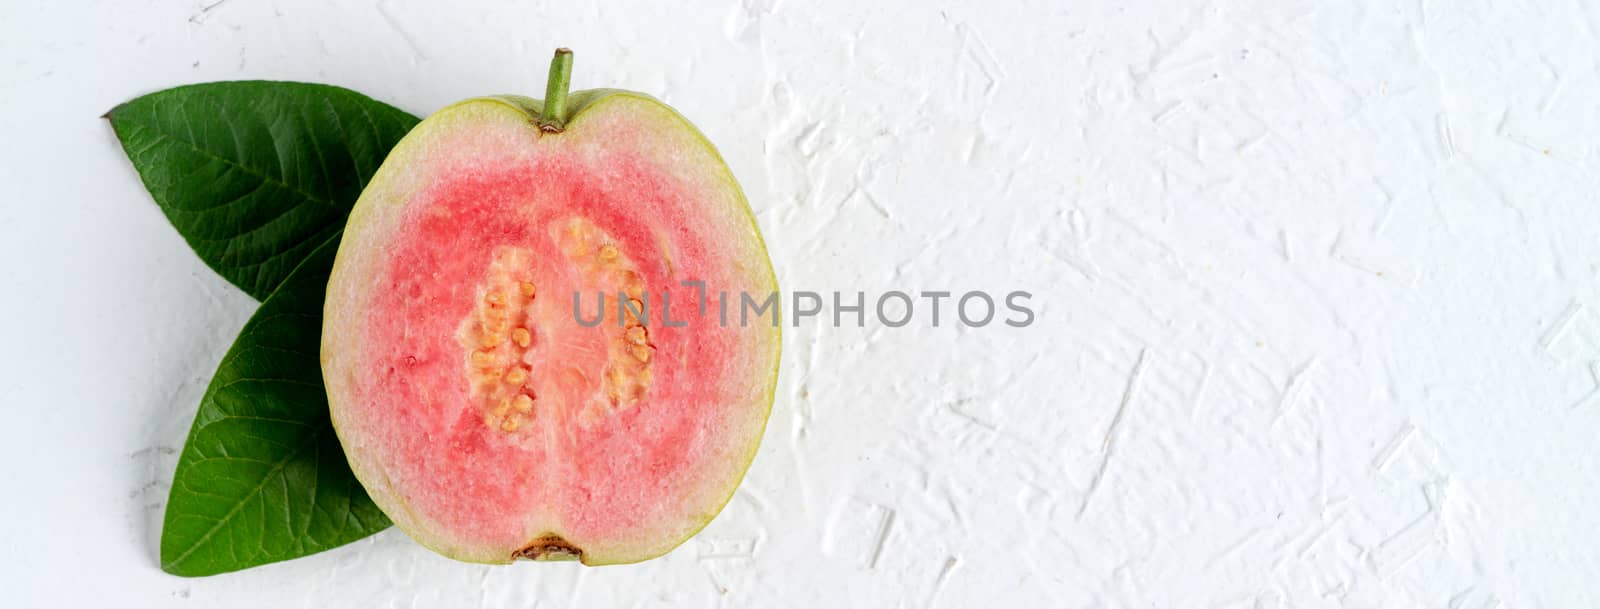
255 174
263 478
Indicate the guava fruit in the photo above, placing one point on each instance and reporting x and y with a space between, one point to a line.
476 409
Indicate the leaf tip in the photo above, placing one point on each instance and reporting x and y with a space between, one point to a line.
182 568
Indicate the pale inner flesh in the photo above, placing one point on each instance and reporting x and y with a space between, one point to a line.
502 339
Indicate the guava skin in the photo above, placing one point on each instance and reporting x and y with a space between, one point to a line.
478 413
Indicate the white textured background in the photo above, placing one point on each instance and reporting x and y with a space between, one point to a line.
1335 265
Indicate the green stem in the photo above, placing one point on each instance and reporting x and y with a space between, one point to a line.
554 117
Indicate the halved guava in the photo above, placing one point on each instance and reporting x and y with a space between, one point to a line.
479 413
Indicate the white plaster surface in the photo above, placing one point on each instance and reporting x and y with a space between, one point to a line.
1318 288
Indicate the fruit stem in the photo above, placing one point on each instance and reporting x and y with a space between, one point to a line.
554 117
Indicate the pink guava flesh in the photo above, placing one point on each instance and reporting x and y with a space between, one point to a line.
478 412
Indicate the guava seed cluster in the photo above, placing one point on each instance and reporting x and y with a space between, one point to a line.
498 338
499 335
601 261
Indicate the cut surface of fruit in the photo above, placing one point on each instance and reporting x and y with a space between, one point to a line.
476 399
